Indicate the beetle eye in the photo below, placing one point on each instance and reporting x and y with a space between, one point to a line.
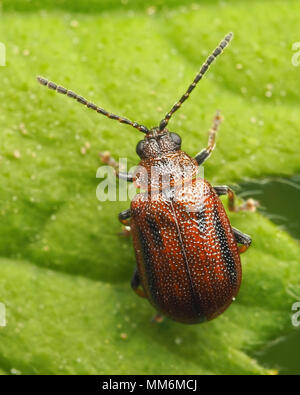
176 138
140 148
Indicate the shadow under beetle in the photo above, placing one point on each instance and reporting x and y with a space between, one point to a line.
188 261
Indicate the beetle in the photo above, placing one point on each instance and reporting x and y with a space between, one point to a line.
188 260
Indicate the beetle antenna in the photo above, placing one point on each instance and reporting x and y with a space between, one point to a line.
198 77
82 100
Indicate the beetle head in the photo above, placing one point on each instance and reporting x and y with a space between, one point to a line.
158 142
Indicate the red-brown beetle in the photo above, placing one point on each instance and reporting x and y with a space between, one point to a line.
188 260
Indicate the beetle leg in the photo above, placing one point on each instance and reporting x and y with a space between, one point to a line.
126 231
225 190
248 205
158 318
107 159
135 284
124 217
243 239
205 153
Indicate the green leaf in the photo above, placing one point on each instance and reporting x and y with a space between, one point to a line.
65 271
